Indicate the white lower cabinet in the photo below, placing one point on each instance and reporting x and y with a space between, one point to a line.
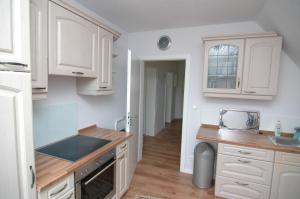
241 173
286 176
122 170
63 189
236 189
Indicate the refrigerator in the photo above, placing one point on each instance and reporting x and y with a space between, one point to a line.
17 172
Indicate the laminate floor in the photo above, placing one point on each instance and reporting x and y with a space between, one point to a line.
157 174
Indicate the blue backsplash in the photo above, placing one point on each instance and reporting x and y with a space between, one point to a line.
54 122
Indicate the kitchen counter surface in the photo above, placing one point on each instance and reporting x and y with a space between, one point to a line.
50 169
211 133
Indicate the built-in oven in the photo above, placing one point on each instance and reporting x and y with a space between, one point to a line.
97 180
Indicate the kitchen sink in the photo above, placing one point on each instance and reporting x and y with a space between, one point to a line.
283 141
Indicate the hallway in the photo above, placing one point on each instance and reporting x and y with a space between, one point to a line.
157 174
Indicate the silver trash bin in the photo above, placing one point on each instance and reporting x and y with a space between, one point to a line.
204 157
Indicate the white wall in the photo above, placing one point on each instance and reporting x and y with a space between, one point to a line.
188 41
100 110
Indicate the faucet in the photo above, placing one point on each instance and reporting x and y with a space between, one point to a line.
297 133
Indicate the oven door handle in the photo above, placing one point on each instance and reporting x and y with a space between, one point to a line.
100 172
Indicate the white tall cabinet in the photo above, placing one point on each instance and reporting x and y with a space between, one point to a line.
39 47
14 31
243 66
16 149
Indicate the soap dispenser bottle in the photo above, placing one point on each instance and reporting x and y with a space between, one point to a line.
297 134
278 129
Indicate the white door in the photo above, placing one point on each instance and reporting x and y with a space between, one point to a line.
14 31
73 43
169 97
133 110
16 149
285 183
261 68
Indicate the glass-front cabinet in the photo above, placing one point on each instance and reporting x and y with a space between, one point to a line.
223 65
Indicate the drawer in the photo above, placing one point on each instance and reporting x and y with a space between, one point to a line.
246 152
69 195
62 187
245 169
236 189
287 158
122 147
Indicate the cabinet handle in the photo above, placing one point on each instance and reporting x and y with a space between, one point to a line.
123 156
32 177
244 161
39 88
249 92
70 196
241 184
63 188
13 63
78 73
122 147
239 82
244 152
103 86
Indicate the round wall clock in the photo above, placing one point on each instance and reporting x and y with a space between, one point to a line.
164 42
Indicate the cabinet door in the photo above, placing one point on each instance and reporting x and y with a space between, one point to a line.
39 47
73 43
223 62
122 165
105 59
14 31
285 183
17 152
245 169
236 189
261 68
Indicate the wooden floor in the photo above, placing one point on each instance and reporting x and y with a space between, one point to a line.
157 174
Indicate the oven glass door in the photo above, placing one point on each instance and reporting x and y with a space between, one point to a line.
100 184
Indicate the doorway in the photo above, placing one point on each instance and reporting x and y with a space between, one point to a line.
185 59
163 94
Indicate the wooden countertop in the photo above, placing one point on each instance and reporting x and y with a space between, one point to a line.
211 134
50 169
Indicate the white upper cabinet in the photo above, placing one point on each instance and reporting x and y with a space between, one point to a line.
73 43
14 31
223 66
243 66
105 59
261 68
39 46
102 85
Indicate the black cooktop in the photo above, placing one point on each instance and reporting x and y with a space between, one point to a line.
73 148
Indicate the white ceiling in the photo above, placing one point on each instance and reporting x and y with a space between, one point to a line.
282 16
143 15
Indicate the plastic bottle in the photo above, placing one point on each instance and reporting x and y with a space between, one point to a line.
278 128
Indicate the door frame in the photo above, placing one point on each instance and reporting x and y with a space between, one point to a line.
175 57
